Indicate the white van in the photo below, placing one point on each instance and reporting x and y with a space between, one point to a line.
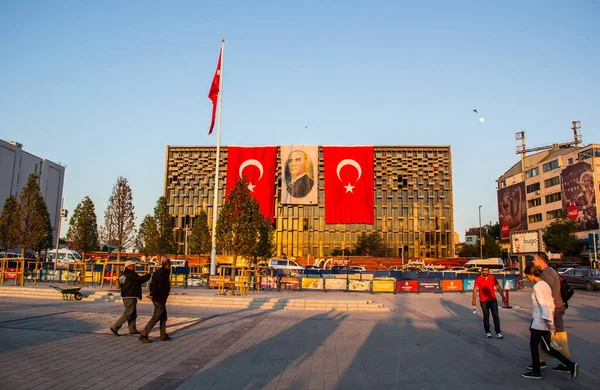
64 255
495 263
285 264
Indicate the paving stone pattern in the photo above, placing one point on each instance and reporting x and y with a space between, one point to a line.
429 342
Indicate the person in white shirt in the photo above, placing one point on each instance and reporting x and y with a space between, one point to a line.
542 324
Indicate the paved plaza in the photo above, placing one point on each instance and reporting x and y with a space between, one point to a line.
430 341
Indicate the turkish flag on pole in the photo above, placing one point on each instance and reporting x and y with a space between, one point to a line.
258 164
349 196
214 92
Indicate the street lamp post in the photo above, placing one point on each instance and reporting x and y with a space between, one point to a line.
480 243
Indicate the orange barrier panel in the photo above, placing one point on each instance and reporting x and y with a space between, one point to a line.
290 283
452 285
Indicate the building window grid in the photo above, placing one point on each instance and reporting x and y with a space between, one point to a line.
291 242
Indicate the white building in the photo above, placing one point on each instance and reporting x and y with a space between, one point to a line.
534 191
15 167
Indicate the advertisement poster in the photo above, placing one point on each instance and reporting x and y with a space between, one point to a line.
407 286
468 284
452 285
335 284
359 285
578 195
512 210
384 285
429 285
525 242
312 283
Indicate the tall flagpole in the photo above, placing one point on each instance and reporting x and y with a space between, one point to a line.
213 253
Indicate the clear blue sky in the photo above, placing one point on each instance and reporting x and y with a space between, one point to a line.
104 86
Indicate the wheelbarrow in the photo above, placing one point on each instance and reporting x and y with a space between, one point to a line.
70 293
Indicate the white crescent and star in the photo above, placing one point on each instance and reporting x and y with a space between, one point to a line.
255 163
353 163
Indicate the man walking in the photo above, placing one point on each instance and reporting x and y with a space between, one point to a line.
485 284
552 278
160 287
131 290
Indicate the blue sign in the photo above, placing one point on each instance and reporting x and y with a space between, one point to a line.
468 284
591 242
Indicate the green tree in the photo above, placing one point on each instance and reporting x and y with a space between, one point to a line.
8 227
369 245
147 238
239 223
83 228
469 251
199 241
494 231
32 221
164 223
266 242
560 237
45 242
491 248
119 217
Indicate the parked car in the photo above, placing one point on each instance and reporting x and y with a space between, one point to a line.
340 268
64 255
473 270
506 270
456 269
562 270
285 264
587 278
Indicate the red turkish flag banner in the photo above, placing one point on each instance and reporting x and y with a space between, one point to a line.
349 196
213 94
259 165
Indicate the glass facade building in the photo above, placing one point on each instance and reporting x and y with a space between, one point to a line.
412 192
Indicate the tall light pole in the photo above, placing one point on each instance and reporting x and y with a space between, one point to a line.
480 243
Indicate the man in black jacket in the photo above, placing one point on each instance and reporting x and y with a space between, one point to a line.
160 287
131 291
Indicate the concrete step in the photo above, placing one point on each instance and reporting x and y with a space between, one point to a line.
46 292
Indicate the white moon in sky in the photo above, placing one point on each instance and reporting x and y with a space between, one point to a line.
481 120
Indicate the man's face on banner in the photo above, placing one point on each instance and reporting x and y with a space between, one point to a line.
297 163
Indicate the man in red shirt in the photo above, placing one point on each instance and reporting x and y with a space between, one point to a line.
485 284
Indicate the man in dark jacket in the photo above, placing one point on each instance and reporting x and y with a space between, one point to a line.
131 291
160 287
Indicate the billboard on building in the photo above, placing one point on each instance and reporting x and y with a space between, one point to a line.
299 174
512 210
578 195
525 242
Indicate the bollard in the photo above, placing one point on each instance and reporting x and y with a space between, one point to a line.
506 300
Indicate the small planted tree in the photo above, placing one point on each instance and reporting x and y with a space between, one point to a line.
199 241
164 224
239 223
32 227
147 238
119 217
9 231
83 228
266 244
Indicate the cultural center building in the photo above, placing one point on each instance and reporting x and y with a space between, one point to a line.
321 198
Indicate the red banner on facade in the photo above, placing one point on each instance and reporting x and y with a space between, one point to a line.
349 196
258 164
